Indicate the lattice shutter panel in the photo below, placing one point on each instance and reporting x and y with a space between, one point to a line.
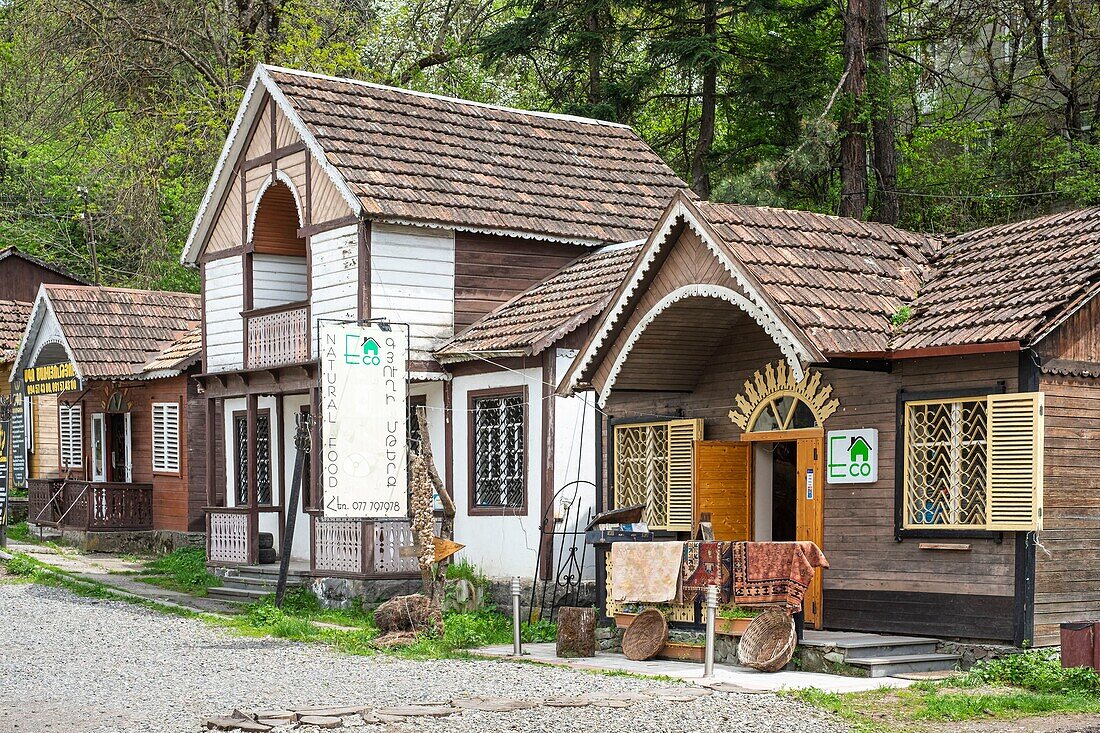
166 436
1014 457
71 430
682 435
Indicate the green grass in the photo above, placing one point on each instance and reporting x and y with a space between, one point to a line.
1016 686
20 532
182 570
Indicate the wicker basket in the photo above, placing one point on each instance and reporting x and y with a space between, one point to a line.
769 642
646 635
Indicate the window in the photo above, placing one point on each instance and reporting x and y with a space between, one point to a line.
973 463
653 466
71 432
166 437
263 457
498 464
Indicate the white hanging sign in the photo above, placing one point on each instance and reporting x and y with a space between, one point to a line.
364 432
852 456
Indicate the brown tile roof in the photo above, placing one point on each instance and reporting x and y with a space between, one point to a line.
840 280
114 332
552 309
13 321
1006 283
179 354
417 157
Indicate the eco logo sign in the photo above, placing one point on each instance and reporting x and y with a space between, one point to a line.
852 456
359 350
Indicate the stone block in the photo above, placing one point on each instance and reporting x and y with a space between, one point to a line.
321 721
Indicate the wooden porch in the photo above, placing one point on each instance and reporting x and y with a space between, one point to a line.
350 548
90 506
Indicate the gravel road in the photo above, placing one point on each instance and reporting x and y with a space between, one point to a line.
75 665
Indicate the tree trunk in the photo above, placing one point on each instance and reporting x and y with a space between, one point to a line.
853 144
700 162
885 208
595 57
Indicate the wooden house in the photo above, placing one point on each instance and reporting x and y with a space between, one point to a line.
118 364
754 361
20 277
339 200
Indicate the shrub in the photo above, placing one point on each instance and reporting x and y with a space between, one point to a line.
1039 671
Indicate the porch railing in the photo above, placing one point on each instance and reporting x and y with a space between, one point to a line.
278 335
227 535
371 548
96 507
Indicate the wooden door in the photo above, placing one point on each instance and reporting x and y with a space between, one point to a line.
723 487
810 485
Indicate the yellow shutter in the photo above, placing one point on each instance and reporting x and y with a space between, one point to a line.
1014 461
682 435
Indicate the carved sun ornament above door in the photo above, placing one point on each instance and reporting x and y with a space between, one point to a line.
775 400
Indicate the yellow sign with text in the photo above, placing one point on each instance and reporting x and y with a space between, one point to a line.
51 379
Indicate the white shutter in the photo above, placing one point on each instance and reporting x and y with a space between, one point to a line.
1014 462
71 436
166 436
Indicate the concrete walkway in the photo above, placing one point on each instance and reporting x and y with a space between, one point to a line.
725 676
109 570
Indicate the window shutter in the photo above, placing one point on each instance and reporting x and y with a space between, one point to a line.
682 435
1014 461
72 436
166 438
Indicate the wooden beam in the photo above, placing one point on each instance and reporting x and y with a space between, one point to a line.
364 269
271 158
327 226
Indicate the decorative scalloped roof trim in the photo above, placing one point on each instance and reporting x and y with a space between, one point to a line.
42 307
761 317
282 177
678 213
260 77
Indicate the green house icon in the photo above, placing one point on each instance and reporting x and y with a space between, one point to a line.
370 347
859 451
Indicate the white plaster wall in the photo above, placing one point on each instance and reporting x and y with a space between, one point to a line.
277 279
437 426
500 546
335 262
413 281
762 492
575 460
292 404
224 293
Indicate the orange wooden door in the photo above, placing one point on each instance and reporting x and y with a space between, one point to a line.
811 515
723 482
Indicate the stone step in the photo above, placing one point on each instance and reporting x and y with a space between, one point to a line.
903 663
238 595
261 582
869 645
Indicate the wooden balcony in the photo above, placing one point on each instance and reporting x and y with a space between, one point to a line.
95 507
363 548
277 336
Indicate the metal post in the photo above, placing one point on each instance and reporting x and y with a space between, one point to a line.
517 644
6 408
712 611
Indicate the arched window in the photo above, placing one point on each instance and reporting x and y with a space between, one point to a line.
783 411
774 399
275 231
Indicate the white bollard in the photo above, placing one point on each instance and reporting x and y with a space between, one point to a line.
712 612
517 647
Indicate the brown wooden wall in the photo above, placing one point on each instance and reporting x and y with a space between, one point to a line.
176 505
1067 562
490 270
1078 339
44 459
19 279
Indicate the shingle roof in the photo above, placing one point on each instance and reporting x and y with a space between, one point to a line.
12 251
416 157
114 332
177 355
1005 283
550 310
840 280
13 321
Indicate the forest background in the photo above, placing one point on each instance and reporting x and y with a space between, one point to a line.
937 115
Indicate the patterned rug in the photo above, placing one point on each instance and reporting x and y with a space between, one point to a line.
774 573
706 563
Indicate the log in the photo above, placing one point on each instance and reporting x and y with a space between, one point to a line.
576 632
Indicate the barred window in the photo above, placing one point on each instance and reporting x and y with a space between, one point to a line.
498 468
945 463
263 457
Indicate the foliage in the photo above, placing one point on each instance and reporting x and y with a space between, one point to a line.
20 532
735 611
1038 671
183 570
902 316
